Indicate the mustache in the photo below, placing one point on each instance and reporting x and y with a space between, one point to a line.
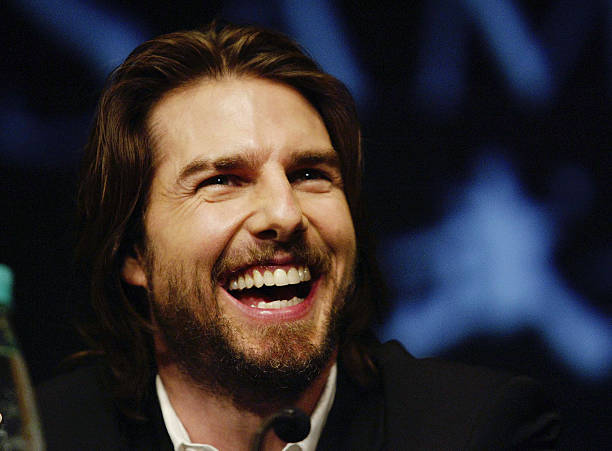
317 259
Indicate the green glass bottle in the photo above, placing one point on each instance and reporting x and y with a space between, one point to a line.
19 425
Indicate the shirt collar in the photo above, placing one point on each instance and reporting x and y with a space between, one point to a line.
180 438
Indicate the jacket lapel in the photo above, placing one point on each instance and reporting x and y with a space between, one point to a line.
356 420
150 434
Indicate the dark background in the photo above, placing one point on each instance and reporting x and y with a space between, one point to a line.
444 89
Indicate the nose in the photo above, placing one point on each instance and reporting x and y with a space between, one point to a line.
277 212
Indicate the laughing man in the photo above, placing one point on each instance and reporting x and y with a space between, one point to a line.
227 255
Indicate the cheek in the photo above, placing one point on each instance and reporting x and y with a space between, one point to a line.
202 231
332 220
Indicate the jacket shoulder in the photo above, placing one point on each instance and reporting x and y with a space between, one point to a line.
433 403
77 410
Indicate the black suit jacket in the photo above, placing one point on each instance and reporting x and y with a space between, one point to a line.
420 405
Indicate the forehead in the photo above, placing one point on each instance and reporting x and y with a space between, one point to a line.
214 118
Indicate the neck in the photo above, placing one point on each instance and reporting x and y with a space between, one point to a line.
215 421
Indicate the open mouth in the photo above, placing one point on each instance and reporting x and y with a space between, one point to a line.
271 287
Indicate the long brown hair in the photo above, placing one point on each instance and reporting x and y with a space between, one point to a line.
119 164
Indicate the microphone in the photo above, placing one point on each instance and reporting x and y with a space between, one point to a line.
290 425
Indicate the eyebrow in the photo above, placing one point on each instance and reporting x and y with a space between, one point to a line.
316 157
248 160
232 162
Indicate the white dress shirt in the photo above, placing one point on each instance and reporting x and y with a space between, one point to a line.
180 438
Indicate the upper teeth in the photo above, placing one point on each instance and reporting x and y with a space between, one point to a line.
278 277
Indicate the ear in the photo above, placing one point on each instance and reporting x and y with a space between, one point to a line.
133 272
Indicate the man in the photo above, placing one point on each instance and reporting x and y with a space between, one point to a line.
222 228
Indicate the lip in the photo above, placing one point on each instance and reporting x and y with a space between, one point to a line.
277 315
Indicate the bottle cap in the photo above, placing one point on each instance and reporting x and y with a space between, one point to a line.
6 285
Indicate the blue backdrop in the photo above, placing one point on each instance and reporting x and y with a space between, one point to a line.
487 135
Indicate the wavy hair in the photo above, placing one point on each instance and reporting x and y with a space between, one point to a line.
119 164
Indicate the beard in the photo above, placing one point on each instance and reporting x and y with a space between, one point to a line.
259 369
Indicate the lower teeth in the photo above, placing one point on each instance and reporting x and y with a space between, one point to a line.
279 304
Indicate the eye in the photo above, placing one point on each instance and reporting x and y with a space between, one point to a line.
308 174
220 179
312 180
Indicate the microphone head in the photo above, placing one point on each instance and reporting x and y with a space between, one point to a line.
291 425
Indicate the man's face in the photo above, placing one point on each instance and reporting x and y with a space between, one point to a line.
249 237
